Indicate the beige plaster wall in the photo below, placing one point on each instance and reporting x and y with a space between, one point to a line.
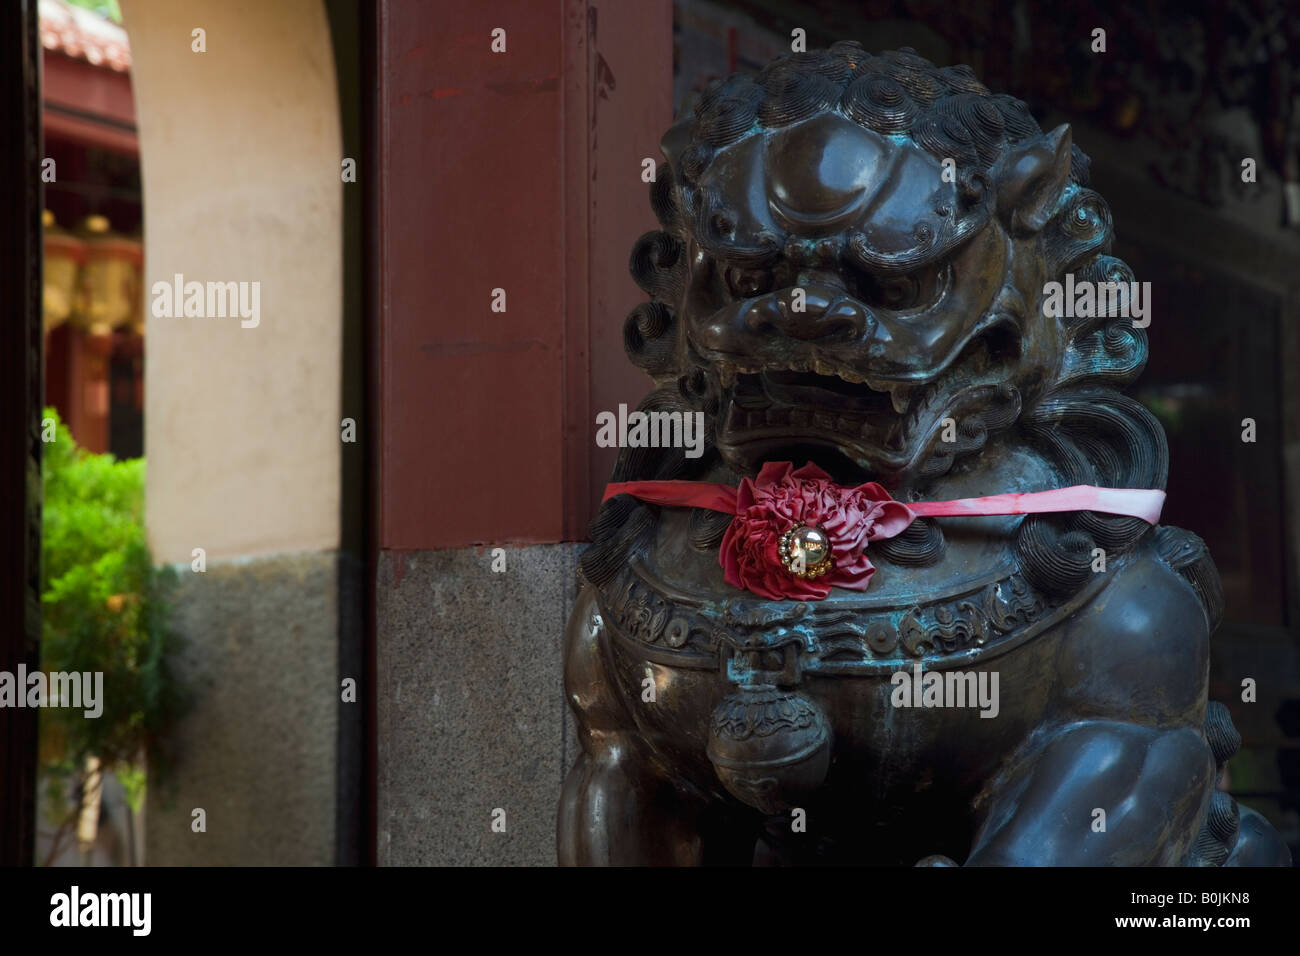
240 157
240 153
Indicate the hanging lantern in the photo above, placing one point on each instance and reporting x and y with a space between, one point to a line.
64 255
110 279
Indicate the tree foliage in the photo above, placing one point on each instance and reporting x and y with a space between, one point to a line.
104 609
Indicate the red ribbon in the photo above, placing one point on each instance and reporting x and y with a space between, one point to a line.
781 498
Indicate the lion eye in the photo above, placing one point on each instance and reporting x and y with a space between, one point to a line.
905 293
747 283
898 293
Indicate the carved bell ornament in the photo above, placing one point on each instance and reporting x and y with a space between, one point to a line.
770 747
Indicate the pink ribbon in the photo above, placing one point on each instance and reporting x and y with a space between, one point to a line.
1144 503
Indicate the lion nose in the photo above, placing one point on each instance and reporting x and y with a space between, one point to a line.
816 310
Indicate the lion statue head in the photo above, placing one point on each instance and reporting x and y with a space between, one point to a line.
851 269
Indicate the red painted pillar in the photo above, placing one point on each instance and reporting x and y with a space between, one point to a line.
516 170
87 383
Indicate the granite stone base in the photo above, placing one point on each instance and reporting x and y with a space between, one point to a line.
258 752
471 711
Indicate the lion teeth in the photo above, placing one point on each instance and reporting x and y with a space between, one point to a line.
900 396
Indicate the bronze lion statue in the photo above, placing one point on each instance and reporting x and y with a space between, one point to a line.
851 271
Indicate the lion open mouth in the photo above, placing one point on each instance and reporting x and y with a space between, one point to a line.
854 427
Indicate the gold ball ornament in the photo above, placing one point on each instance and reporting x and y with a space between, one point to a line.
806 551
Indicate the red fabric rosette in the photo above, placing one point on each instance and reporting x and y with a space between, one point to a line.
782 497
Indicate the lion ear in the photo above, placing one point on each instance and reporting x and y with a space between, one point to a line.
1031 178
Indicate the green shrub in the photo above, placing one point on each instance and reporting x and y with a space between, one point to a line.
109 9
104 609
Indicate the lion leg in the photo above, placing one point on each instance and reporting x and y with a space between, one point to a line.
1257 843
616 808
1233 835
1151 786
